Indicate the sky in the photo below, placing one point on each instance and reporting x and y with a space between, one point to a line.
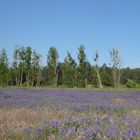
66 24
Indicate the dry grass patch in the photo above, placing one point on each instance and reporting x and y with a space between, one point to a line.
117 101
19 119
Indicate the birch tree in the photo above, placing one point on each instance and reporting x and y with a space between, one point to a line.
36 69
116 66
97 70
28 55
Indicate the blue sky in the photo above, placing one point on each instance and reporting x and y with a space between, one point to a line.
66 24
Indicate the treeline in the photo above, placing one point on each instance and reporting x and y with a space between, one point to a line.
26 70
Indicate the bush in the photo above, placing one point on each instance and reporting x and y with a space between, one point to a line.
131 83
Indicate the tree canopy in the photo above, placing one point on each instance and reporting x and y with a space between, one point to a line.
26 70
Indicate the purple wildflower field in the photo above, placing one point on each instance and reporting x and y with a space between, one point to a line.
69 114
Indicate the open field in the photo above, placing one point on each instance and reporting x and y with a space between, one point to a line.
41 114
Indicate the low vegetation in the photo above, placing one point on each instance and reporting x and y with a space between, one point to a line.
39 114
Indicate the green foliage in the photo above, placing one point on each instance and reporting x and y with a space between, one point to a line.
52 62
106 75
26 70
4 72
35 69
28 58
80 78
128 73
131 83
69 71
81 55
81 75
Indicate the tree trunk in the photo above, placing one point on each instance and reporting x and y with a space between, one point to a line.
39 77
99 79
119 76
85 82
56 77
75 78
28 79
21 78
16 80
114 77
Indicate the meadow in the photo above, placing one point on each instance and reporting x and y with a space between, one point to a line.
61 114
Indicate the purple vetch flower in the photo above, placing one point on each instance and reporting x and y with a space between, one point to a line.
125 134
71 130
127 121
112 132
67 118
28 130
98 129
55 123
90 132
82 129
77 100
61 130
39 130
133 133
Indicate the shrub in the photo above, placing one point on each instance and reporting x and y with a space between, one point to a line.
131 83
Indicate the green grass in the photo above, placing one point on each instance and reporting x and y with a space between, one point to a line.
122 88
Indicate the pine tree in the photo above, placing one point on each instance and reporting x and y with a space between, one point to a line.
81 70
69 71
3 68
52 62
